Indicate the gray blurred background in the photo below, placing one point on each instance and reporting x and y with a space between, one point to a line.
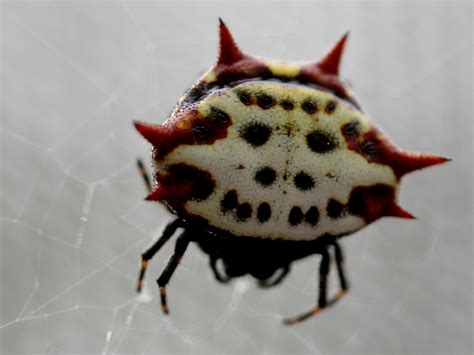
73 220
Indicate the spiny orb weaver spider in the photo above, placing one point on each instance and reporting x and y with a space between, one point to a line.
265 162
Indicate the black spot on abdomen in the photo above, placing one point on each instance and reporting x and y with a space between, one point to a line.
256 134
264 212
320 142
334 208
287 105
244 211
330 107
245 98
230 201
309 106
369 147
201 131
265 176
265 101
312 216
296 216
351 129
219 116
303 181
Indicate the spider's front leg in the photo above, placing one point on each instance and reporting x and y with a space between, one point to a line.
323 303
180 248
168 232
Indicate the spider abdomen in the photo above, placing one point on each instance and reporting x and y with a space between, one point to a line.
282 164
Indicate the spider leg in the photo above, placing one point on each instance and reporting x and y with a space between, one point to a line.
217 274
322 299
144 174
340 269
270 283
323 273
168 232
180 247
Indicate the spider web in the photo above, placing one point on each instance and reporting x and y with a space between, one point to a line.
73 222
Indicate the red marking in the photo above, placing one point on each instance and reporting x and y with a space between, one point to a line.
172 191
398 211
234 65
229 52
383 151
164 138
188 127
330 62
406 162
374 202
180 183
313 73
325 72
249 68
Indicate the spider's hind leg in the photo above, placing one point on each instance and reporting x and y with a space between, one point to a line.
323 274
168 232
217 273
273 281
340 271
322 298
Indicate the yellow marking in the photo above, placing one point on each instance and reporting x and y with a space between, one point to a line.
184 123
302 317
314 310
289 70
209 77
164 306
340 294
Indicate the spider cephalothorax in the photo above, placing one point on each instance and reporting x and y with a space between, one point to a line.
269 156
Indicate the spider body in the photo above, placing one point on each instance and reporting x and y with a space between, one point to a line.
266 162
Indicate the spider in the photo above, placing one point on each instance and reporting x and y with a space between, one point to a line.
265 162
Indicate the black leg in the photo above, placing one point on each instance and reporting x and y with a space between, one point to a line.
322 299
323 274
180 247
270 283
144 174
323 279
217 274
150 252
340 267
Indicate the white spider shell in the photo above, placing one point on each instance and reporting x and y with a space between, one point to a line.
233 163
